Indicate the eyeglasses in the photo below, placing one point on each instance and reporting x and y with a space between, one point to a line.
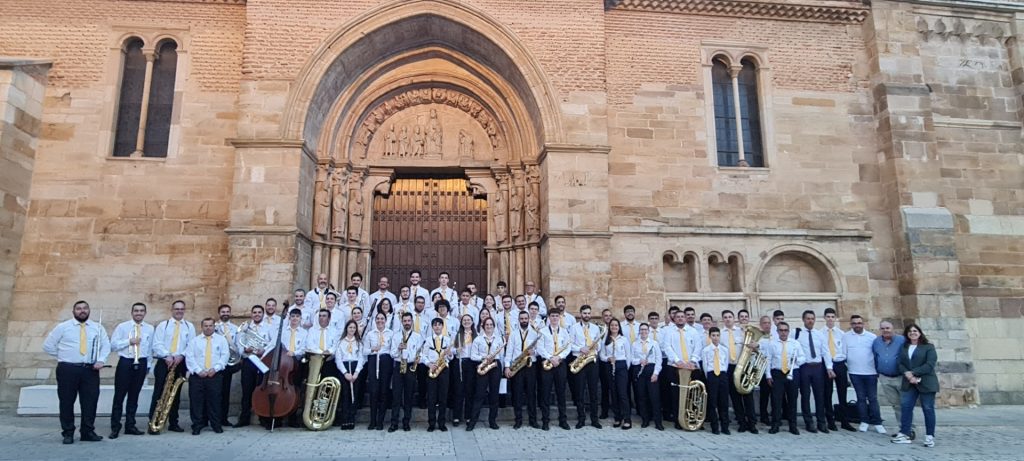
781 330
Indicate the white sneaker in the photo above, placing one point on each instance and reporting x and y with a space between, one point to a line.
863 427
880 429
929 441
900 438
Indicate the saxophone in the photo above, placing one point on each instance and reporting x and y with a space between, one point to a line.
524 359
440 364
582 361
158 423
416 359
403 365
547 365
488 363
750 365
321 396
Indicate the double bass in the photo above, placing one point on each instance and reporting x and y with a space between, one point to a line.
277 396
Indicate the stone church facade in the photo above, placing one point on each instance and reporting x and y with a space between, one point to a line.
765 155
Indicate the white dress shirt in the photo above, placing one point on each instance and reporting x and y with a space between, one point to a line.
349 350
63 342
458 310
376 296
163 337
794 352
837 342
652 355
412 345
567 321
316 299
579 337
707 355
127 330
631 330
463 349
520 339
228 330
330 338
430 352
536 297
737 341
670 344
617 349
377 341
505 320
860 358
195 356
486 347
299 334
820 348
415 291
449 294
547 346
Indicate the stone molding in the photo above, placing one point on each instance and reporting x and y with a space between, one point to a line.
841 12
216 2
742 231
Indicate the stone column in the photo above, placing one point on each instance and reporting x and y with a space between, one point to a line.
575 237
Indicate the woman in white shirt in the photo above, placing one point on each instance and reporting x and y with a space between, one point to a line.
463 370
350 359
615 352
645 357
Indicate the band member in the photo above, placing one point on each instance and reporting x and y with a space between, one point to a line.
554 347
271 319
501 289
585 337
81 347
682 346
349 359
133 342
323 339
415 290
533 296
205 357
484 315
466 306
524 383
505 317
438 345
465 370
691 320
338 315
449 322
615 352
170 338
382 293
833 336
487 349
447 293
405 346
404 304
764 390
732 339
308 312
293 339
568 321
521 303
778 316
535 319
391 320
603 372
631 331
645 358
316 298
251 374
812 376
362 297
377 343
475 295
785 355
715 357
420 317
350 304
228 330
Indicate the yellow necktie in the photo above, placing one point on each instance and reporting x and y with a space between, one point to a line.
349 348
643 347
682 346
554 337
380 341
174 340
437 344
655 333
785 359
707 339
444 324
323 299
291 343
508 324
586 335
831 345
632 335
718 365
467 339
561 322
322 340
732 347
417 322
81 339
208 363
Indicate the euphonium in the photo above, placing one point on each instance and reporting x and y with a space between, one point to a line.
441 364
163 406
524 358
321 396
582 361
693 402
750 365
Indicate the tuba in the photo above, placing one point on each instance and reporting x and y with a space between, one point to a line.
582 361
693 402
524 358
158 423
321 396
750 365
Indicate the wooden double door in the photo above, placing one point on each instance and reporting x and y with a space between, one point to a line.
430 224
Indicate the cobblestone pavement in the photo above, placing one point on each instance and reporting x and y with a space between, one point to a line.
985 433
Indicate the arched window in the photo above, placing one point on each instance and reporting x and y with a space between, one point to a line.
146 99
736 105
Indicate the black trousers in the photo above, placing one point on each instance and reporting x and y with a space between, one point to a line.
204 401
402 388
160 379
251 377
842 383
379 383
666 390
574 387
648 394
128 381
464 379
225 390
783 389
421 386
604 373
618 378
812 381
349 394
77 382
589 394
553 388
437 397
765 398
673 381
524 390
718 399
486 390
742 404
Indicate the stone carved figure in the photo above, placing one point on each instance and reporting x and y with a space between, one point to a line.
417 142
500 215
322 202
465 144
390 143
515 215
532 212
355 232
339 206
403 142
435 134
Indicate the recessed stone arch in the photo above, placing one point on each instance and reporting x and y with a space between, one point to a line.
797 269
680 274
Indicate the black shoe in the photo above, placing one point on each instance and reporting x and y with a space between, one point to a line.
132 431
442 428
580 424
773 430
534 425
823 429
595 424
564 425
493 425
753 430
431 428
742 428
659 427
725 430
380 427
848 427
644 424
793 430
604 415
544 426
469 427
91 437
68 439
406 428
175 428
678 426
517 425
913 435
393 428
113 434
714 430
616 424
832 427
241 423
195 431
227 423
218 430
766 422
810 429
455 423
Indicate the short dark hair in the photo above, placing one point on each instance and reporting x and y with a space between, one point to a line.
783 324
406 314
415 271
629 307
653 314
778 313
437 321
444 273
502 284
351 288
144 306
534 303
176 301
829 310
856 316
706 316
742 311
331 294
806 312
727 311
222 306
689 309
297 312
270 300
354 275
714 330
442 303
585 307
256 306
559 297
324 311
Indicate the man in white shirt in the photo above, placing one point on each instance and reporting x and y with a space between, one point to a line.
554 347
682 345
524 383
715 357
812 373
447 293
477 300
732 339
414 286
170 339
133 342
465 306
833 336
586 339
382 293
251 375
362 297
81 348
860 360
405 345
784 356
502 290
403 305
206 357
227 329
533 296
315 299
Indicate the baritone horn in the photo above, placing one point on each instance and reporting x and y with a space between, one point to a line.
693 402
321 396
751 364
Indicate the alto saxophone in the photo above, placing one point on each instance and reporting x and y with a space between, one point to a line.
403 364
524 359
547 365
582 361
487 364
416 358
750 365
163 406
321 396
440 364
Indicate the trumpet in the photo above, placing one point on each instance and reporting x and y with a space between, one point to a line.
135 347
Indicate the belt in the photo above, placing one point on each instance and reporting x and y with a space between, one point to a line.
889 376
141 359
812 364
75 364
